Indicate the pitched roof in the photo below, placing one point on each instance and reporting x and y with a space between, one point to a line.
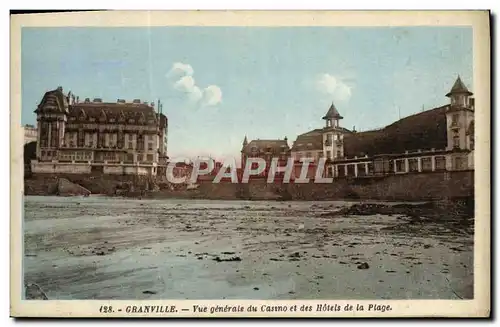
332 113
311 141
263 146
425 130
459 88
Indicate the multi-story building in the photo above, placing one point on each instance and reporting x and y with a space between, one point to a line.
95 136
434 140
30 133
267 150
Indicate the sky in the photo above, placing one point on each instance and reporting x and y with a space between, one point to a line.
218 84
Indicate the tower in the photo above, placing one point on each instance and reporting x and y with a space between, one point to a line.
51 120
459 117
243 156
333 138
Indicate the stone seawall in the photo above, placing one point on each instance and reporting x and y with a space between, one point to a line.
407 187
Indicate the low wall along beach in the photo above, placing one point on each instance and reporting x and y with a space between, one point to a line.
405 187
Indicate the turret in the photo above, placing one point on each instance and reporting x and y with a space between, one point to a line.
459 94
332 117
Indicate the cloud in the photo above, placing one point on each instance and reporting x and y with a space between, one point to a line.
212 95
184 81
187 85
180 69
333 86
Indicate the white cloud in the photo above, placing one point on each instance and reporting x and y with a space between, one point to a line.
179 69
185 82
334 87
212 95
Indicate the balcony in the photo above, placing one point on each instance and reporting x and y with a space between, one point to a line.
328 143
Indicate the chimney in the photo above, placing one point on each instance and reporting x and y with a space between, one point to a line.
87 100
137 101
120 101
99 100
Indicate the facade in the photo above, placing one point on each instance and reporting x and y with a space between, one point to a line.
30 133
267 150
441 139
95 136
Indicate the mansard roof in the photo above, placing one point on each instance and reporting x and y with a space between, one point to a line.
262 146
119 112
53 102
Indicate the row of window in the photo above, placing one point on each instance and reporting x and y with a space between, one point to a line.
112 120
77 156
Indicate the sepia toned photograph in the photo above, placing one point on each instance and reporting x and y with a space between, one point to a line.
246 161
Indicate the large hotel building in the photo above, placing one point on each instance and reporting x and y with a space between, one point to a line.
94 136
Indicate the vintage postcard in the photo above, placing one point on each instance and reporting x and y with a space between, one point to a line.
250 164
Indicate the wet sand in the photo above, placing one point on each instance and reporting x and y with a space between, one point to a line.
112 248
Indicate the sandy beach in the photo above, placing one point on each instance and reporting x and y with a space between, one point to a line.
113 248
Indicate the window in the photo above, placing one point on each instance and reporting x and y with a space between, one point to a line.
339 154
329 154
149 157
150 146
130 157
456 141
413 163
471 141
454 120
130 145
426 164
458 163
400 165
440 162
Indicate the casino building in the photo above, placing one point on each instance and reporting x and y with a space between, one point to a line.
439 139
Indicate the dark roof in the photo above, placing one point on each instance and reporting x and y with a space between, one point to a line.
459 88
311 141
57 101
140 113
332 113
53 102
423 131
314 137
263 146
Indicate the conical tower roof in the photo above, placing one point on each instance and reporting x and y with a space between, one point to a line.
459 88
332 113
